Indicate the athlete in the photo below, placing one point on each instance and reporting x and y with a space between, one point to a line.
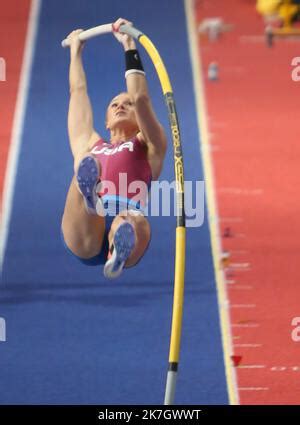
103 220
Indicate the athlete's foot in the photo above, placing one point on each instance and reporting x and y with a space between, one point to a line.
88 179
123 244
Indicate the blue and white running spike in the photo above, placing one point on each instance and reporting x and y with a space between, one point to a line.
124 241
88 177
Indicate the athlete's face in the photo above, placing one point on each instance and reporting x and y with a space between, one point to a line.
121 112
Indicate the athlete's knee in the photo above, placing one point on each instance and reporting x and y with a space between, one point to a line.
141 225
142 228
135 217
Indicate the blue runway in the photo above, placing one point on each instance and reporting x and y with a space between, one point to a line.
72 336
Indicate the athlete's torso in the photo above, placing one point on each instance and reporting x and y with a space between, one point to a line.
125 169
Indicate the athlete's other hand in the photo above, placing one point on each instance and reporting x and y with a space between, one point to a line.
76 45
127 41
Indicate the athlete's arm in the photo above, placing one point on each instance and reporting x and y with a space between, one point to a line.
80 116
152 131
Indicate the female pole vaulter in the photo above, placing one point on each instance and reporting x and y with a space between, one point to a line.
103 223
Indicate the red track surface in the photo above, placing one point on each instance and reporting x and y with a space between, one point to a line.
254 125
13 22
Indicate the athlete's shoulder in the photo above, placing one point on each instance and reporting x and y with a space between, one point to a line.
95 140
140 141
140 138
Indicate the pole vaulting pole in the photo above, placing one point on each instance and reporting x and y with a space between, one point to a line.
179 176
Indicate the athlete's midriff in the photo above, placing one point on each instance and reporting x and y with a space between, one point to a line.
125 170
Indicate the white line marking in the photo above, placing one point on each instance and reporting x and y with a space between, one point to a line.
235 268
253 388
248 345
231 219
238 269
240 265
240 191
241 287
245 325
279 368
242 305
17 128
252 366
202 117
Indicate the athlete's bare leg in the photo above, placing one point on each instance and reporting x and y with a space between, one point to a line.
83 232
142 233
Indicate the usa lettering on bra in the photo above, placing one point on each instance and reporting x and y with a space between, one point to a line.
107 151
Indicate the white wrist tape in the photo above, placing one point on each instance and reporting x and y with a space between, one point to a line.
134 71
